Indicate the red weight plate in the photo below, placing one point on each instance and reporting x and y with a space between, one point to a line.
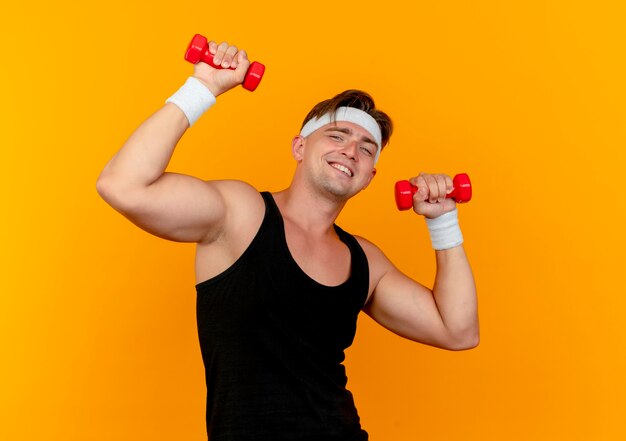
253 76
462 188
404 195
196 48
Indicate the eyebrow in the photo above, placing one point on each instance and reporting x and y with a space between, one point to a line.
348 131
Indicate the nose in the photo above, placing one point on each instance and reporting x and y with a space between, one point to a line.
350 150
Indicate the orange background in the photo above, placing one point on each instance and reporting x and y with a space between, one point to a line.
97 317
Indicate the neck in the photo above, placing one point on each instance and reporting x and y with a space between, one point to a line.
311 211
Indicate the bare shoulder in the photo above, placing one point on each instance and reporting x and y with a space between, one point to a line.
375 255
244 208
238 194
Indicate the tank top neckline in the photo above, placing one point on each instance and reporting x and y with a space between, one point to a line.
292 261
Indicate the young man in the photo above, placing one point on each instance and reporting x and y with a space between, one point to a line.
279 285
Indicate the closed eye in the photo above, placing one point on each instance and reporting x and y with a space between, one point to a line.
368 151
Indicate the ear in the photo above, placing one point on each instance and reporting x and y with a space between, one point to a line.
297 147
370 179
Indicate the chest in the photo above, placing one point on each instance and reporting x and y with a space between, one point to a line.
326 260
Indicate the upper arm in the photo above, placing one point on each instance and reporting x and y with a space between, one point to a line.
180 208
402 305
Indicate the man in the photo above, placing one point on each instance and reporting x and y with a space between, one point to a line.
279 285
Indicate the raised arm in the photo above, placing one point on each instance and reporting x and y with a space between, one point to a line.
447 315
170 205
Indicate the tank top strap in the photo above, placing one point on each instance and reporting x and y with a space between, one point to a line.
360 265
271 209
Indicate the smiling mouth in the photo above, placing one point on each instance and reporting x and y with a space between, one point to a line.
342 168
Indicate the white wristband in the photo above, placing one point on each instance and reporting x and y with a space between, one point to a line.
445 231
193 98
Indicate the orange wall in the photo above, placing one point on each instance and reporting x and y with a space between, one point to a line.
97 317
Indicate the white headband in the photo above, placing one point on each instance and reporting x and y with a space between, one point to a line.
349 114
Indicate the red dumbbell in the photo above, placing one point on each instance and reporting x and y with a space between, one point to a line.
461 193
198 50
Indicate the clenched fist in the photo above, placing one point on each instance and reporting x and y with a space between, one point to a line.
228 57
430 198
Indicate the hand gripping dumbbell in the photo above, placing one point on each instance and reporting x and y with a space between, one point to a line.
198 50
461 193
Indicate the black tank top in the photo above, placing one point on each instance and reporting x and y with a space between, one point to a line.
273 340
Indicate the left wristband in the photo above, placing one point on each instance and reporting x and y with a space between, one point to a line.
444 231
193 98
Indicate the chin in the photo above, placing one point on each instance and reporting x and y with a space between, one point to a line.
340 194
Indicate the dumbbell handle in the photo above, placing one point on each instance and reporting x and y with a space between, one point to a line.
461 193
198 50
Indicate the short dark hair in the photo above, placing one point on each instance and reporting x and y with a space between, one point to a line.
360 100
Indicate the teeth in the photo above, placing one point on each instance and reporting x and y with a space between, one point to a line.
342 168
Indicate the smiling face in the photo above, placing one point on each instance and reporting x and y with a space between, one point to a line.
337 159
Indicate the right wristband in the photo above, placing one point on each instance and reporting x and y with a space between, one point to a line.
445 231
193 98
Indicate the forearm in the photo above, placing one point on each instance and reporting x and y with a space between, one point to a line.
455 294
145 155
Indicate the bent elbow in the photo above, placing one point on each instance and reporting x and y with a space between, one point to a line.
102 187
469 341
113 194
472 343
107 191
